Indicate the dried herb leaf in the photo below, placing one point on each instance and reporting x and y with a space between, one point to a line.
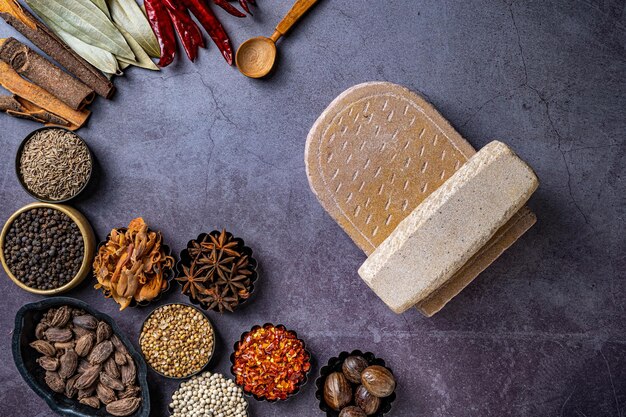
142 59
85 21
128 15
103 60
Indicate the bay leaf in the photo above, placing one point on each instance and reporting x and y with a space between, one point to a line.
142 59
102 5
85 21
128 15
99 58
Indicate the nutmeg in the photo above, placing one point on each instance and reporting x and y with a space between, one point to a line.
366 401
337 391
378 380
352 368
352 412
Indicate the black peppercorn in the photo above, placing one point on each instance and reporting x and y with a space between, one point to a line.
41 256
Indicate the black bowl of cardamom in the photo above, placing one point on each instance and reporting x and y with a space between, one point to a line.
78 360
54 164
217 271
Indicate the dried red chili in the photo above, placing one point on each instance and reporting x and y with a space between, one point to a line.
271 362
200 9
229 8
162 26
188 32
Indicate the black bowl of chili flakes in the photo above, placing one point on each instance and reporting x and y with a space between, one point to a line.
335 364
257 363
217 271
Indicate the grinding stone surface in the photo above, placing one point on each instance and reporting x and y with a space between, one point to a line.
195 147
453 223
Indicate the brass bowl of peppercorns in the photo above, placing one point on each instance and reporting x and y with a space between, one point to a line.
47 248
355 384
217 271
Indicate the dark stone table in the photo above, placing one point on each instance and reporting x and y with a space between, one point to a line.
197 147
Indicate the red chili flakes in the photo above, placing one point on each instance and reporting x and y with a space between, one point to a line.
271 362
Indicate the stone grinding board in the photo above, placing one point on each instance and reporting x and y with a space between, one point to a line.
375 154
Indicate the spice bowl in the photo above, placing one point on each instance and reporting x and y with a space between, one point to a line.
168 273
88 243
25 358
335 365
237 251
161 329
18 165
303 354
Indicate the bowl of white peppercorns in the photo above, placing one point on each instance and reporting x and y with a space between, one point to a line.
208 394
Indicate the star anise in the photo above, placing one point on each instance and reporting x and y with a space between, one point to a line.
220 274
222 242
220 300
192 280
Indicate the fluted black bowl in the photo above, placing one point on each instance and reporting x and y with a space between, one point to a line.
168 273
334 365
185 261
236 348
25 358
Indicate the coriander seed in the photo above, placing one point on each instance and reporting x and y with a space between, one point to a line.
177 340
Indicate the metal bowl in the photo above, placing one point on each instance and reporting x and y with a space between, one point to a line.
25 358
236 347
334 365
18 157
89 242
212 350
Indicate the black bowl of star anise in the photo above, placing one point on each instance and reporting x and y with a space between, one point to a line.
217 271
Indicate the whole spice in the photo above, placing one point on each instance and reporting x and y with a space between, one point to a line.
220 274
352 368
200 9
45 74
48 42
176 340
92 384
44 249
208 395
55 164
187 30
352 411
40 98
163 28
270 362
132 264
378 380
366 401
337 391
18 107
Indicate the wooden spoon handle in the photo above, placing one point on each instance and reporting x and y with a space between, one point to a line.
296 12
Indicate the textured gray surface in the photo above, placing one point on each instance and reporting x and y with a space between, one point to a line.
198 147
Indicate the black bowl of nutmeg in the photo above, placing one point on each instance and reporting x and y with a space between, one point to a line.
54 164
355 384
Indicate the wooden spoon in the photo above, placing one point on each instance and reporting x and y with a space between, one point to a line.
256 57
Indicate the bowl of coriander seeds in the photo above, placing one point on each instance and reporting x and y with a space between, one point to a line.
53 164
177 340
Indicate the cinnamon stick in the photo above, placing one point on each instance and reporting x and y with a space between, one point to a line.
20 108
48 42
45 74
13 82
